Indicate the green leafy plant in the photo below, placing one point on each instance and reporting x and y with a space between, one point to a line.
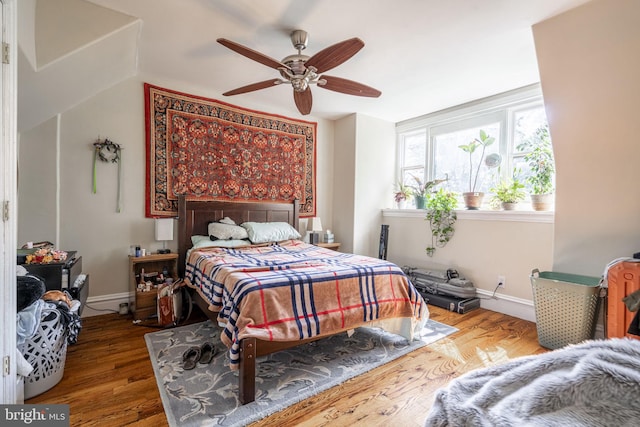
403 192
484 141
442 217
423 189
508 190
540 160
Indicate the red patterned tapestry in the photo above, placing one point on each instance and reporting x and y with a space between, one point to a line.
211 150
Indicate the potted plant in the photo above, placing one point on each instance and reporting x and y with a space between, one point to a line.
508 192
442 217
421 190
401 196
472 198
541 163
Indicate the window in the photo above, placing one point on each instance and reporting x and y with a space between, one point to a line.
429 146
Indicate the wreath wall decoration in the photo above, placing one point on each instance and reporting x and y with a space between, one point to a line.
109 152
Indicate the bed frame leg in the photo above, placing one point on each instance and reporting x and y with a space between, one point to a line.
247 372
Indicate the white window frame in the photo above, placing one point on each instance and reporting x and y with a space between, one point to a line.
503 106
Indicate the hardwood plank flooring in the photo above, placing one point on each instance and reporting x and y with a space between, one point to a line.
109 381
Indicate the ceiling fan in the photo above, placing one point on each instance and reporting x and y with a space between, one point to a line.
301 71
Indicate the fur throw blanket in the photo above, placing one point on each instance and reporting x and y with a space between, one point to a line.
594 383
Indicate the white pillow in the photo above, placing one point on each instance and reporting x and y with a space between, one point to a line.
263 232
227 220
196 240
219 231
206 242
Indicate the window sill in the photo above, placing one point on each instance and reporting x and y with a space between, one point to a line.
479 215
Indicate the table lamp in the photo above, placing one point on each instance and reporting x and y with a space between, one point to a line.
164 232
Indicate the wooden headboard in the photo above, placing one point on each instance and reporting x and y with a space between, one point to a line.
194 217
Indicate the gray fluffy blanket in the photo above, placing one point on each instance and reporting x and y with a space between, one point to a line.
594 383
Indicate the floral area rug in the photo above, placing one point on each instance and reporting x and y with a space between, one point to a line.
208 394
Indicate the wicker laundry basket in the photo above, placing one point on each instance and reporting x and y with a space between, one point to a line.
46 351
566 306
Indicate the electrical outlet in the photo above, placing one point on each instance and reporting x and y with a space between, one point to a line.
501 282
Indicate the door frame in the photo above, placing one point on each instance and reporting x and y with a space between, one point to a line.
9 393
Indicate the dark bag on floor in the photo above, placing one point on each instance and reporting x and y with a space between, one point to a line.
174 303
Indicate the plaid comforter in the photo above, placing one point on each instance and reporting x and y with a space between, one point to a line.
293 291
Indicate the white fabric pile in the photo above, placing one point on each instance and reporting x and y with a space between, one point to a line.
595 383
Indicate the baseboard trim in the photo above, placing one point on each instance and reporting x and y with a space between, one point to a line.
104 304
505 304
520 308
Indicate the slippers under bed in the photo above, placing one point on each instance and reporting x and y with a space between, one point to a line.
194 355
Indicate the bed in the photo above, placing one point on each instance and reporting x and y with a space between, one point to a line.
282 293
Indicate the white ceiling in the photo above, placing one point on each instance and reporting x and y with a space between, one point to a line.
424 55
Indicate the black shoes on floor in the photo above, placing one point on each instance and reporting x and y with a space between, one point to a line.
194 355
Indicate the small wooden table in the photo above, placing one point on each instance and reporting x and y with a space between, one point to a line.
145 302
335 246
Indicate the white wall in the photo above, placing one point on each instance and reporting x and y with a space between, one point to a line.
363 180
37 175
481 248
89 222
344 191
374 177
590 68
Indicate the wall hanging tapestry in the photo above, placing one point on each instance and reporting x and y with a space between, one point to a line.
210 150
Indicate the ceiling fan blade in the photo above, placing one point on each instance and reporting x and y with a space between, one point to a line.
349 87
303 100
252 54
334 55
254 86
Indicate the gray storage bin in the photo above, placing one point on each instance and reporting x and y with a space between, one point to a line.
566 306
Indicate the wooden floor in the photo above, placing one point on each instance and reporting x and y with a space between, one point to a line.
109 381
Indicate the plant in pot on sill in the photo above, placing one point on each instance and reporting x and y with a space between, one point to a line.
401 196
542 166
421 190
507 193
442 217
473 198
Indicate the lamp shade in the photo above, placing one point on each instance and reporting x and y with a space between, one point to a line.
314 224
164 229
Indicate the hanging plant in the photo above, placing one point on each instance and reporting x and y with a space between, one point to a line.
442 217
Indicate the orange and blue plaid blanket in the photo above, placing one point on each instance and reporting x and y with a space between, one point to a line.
293 290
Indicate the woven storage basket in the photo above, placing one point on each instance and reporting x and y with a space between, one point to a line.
46 351
566 307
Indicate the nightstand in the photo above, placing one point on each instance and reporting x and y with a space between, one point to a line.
145 305
335 245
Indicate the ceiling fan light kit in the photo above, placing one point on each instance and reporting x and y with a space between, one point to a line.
301 71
